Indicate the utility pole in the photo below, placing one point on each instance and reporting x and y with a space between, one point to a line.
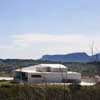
92 48
92 51
63 81
20 73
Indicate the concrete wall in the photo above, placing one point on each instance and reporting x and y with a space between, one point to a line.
52 77
49 77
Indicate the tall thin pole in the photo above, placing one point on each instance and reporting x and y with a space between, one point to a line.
92 48
65 83
92 51
21 74
97 59
45 80
44 83
62 72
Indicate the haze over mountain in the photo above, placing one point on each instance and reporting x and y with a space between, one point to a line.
73 57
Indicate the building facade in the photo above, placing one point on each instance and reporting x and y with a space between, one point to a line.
50 73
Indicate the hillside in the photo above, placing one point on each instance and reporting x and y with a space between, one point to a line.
73 57
8 65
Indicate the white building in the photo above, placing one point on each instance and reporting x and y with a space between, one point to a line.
51 73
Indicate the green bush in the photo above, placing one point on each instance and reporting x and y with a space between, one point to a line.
54 92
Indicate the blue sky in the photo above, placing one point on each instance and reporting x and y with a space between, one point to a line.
32 28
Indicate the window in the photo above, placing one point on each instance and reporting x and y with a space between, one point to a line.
21 76
48 69
36 76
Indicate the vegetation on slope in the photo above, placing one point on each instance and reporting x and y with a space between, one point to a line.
25 92
8 65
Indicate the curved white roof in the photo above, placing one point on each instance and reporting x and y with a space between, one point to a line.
33 68
51 65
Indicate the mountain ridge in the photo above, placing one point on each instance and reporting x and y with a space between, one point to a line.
72 57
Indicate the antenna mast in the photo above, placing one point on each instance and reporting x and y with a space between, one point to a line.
92 48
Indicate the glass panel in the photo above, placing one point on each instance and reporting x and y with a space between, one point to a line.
36 76
21 76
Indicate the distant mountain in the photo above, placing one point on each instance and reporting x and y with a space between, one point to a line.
73 57
95 58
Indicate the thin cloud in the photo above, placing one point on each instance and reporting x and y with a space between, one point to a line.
27 39
35 45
